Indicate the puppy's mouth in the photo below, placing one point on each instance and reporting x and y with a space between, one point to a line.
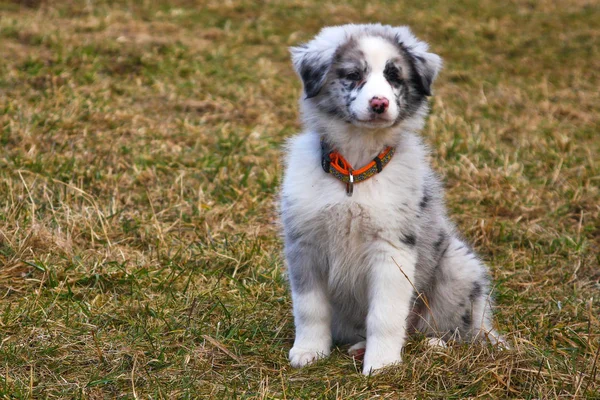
375 121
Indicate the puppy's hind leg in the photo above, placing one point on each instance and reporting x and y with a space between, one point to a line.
460 300
357 350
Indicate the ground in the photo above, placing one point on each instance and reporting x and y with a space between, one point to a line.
140 160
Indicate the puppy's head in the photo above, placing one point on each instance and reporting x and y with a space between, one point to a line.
371 76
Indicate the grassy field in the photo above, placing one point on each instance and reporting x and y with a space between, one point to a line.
140 159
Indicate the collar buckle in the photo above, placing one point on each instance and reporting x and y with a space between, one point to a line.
350 184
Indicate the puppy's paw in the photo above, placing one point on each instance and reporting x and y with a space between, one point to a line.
357 351
374 362
500 342
436 342
300 357
495 339
375 368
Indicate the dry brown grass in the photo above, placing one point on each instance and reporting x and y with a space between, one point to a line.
139 251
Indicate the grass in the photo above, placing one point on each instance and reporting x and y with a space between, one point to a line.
141 146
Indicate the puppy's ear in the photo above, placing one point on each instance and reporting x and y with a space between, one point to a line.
427 65
312 66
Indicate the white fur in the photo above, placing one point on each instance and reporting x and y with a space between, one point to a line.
379 51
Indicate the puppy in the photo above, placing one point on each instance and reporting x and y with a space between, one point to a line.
371 255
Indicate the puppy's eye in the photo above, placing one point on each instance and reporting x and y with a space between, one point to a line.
393 74
354 76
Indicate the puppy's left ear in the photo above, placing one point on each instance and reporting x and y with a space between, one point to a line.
312 66
427 66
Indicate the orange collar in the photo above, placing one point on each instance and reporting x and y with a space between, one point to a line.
335 164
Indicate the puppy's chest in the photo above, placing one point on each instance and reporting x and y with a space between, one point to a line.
351 224
351 235
350 229
375 213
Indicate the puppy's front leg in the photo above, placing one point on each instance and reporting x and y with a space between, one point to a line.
390 292
312 317
312 310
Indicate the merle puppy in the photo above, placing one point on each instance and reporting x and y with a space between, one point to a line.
372 256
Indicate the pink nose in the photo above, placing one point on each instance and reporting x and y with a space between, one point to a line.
379 104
